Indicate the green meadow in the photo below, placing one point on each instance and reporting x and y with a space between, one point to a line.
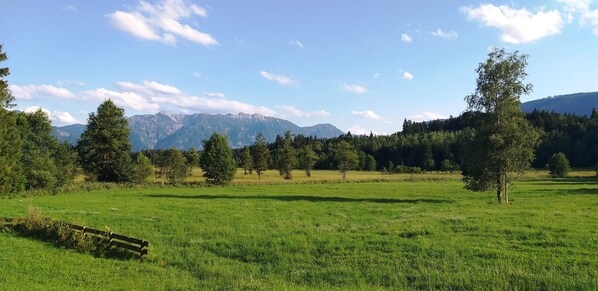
373 231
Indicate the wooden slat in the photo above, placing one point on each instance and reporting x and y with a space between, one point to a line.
126 246
128 239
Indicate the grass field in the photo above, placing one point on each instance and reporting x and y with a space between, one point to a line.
408 232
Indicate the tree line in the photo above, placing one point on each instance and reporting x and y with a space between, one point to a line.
489 143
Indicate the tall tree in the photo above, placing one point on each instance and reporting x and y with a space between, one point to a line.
39 148
217 160
104 147
503 142
11 177
287 157
175 167
307 159
260 155
246 160
346 157
142 169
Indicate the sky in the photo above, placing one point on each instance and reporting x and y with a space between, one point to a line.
363 66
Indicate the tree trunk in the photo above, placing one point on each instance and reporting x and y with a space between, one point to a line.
506 189
499 188
344 174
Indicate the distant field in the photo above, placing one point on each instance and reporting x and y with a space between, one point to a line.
420 231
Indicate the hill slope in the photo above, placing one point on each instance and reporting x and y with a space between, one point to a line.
578 104
182 131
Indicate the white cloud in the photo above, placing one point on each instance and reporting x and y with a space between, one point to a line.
591 18
406 38
354 88
358 130
39 91
407 76
161 22
152 97
296 43
426 116
444 34
57 117
64 118
368 114
280 79
299 113
71 8
377 75
517 25
149 87
214 94
129 100
576 5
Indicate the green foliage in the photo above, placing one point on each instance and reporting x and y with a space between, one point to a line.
104 147
503 142
558 166
370 163
448 166
174 166
407 170
346 157
217 160
287 157
142 169
192 157
260 155
5 97
11 177
307 159
246 161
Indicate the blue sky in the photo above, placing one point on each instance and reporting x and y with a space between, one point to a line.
359 65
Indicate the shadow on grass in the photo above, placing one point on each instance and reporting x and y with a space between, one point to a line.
59 235
303 198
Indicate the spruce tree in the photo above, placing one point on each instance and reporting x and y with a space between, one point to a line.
287 157
105 147
260 155
246 160
217 160
11 177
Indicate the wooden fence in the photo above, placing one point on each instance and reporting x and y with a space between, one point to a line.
113 239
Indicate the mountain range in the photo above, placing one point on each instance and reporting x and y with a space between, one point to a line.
578 104
163 130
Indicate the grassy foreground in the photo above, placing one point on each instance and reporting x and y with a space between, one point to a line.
389 235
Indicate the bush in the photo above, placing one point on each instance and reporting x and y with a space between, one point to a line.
408 170
558 166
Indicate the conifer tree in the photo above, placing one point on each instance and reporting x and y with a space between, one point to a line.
260 155
246 160
104 147
217 160
11 177
287 157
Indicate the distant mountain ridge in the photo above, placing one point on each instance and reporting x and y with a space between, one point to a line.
164 130
578 104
